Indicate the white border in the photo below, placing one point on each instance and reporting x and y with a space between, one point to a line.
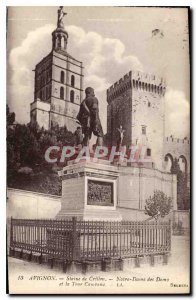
3 5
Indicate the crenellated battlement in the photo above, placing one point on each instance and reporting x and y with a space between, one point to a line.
139 81
173 140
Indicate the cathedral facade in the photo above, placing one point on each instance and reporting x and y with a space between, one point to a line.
58 89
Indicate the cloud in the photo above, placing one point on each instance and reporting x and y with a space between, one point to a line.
105 62
98 83
177 115
22 61
98 54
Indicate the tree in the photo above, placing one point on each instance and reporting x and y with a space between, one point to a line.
183 193
158 205
10 116
26 146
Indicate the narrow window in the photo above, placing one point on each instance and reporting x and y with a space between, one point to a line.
49 91
133 83
59 42
148 152
72 96
62 93
72 80
43 94
62 77
143 129
40 95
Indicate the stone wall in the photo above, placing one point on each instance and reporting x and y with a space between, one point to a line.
183 217
119 113
26 204
148 113
136 101
59 81
178 148
135 185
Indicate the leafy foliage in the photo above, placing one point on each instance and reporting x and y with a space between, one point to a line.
10 116
26 146
183 192
158 205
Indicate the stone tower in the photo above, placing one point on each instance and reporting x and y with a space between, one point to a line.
58 84
136 102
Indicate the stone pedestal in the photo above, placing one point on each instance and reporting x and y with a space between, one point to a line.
89 191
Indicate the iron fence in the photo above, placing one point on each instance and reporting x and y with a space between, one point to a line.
90 240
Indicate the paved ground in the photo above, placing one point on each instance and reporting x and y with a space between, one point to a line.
30 277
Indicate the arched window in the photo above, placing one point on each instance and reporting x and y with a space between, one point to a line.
72 80
72 96
168 162
62 93
62 77
40 95
43 94
183 163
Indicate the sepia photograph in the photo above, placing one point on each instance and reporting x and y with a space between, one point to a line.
98 150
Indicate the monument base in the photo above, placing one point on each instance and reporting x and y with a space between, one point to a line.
89 192
90 215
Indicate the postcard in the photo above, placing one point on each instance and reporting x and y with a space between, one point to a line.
98 150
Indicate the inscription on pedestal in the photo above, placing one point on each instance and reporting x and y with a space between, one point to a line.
100 193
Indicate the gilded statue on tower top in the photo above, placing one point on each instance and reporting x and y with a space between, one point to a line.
61 15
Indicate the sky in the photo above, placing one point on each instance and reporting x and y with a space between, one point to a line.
110 41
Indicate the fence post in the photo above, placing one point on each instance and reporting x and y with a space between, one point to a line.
169 235
11 237
74 239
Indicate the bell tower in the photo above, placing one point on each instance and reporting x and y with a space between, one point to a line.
58 83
